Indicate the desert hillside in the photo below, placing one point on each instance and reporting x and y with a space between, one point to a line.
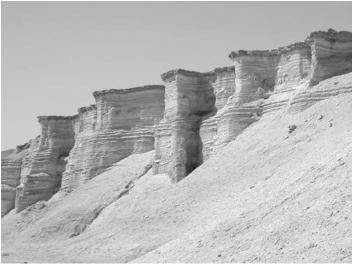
270 195
245 163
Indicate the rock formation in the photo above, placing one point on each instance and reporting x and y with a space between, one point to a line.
186 122
232 98
11 162
331 54
188 97
42 168
224 88
120 124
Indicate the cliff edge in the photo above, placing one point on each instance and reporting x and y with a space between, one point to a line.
249 162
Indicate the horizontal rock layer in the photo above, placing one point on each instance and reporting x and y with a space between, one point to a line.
120 124
305 98
11 162
42 168
188 97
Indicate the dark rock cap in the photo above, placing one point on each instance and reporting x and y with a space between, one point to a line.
224 69
53 117
331 35
172 73
87 108
128 90
269 53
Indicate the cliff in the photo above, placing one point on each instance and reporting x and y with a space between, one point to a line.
268 196
244 163
186 121
120 124
45 162
71 150
219 105
11 162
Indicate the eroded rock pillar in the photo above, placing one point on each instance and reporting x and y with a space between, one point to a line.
189 97
42 168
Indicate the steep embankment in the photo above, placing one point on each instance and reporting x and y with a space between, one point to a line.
273 194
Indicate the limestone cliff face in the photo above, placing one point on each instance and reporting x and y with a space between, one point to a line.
261 82
224 89
331 54
186 121
11 161
120 124
188 97
42 168
270 80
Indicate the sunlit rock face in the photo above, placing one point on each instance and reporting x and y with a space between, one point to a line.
84 127
306 97
11 162
223 88
120 124
271 74
256 75
292 69
261 82
186 122
331 54
189 96
42 168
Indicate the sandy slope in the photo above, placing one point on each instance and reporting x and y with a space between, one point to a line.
270 195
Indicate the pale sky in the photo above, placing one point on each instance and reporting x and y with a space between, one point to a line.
55 54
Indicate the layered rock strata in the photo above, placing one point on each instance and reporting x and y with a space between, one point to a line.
120 124
189 96
261 82
305 98
276 72
224 88
186 121
331 54
11 162
42 168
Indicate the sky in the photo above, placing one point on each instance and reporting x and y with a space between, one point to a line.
55 54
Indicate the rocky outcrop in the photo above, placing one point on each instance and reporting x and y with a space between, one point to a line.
223 87
261 82
11 161
189 96
120 124
42 168
331 54
186 122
